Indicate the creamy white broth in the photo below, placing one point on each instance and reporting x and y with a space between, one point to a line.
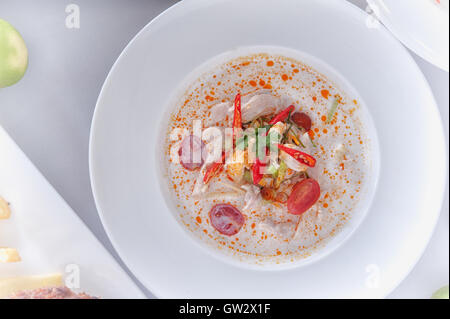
342 149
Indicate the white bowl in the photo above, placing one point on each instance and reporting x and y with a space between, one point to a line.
371 176
124 161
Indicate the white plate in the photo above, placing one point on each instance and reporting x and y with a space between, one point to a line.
124 161
48 234
422 25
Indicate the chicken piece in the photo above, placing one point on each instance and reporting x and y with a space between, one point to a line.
213 153
291 162
219 112
236 168
259 105
247 96
279 128
307 143
252 197
254 105
269 225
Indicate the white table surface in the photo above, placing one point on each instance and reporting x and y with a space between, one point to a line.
48 113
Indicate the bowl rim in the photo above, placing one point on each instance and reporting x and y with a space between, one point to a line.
129 264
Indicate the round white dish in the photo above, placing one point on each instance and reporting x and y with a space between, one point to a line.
370 176
124 139
422 25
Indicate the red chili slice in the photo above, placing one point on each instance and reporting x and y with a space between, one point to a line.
192 152
304 194
299 155
226 219
237 119
302 120
283 115
256 171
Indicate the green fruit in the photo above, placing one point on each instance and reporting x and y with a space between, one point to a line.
13 55
441 293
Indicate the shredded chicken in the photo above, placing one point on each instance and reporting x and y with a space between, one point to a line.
259 105
252 197
219 112
212 156
279 128
291 162
236 168
253 106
